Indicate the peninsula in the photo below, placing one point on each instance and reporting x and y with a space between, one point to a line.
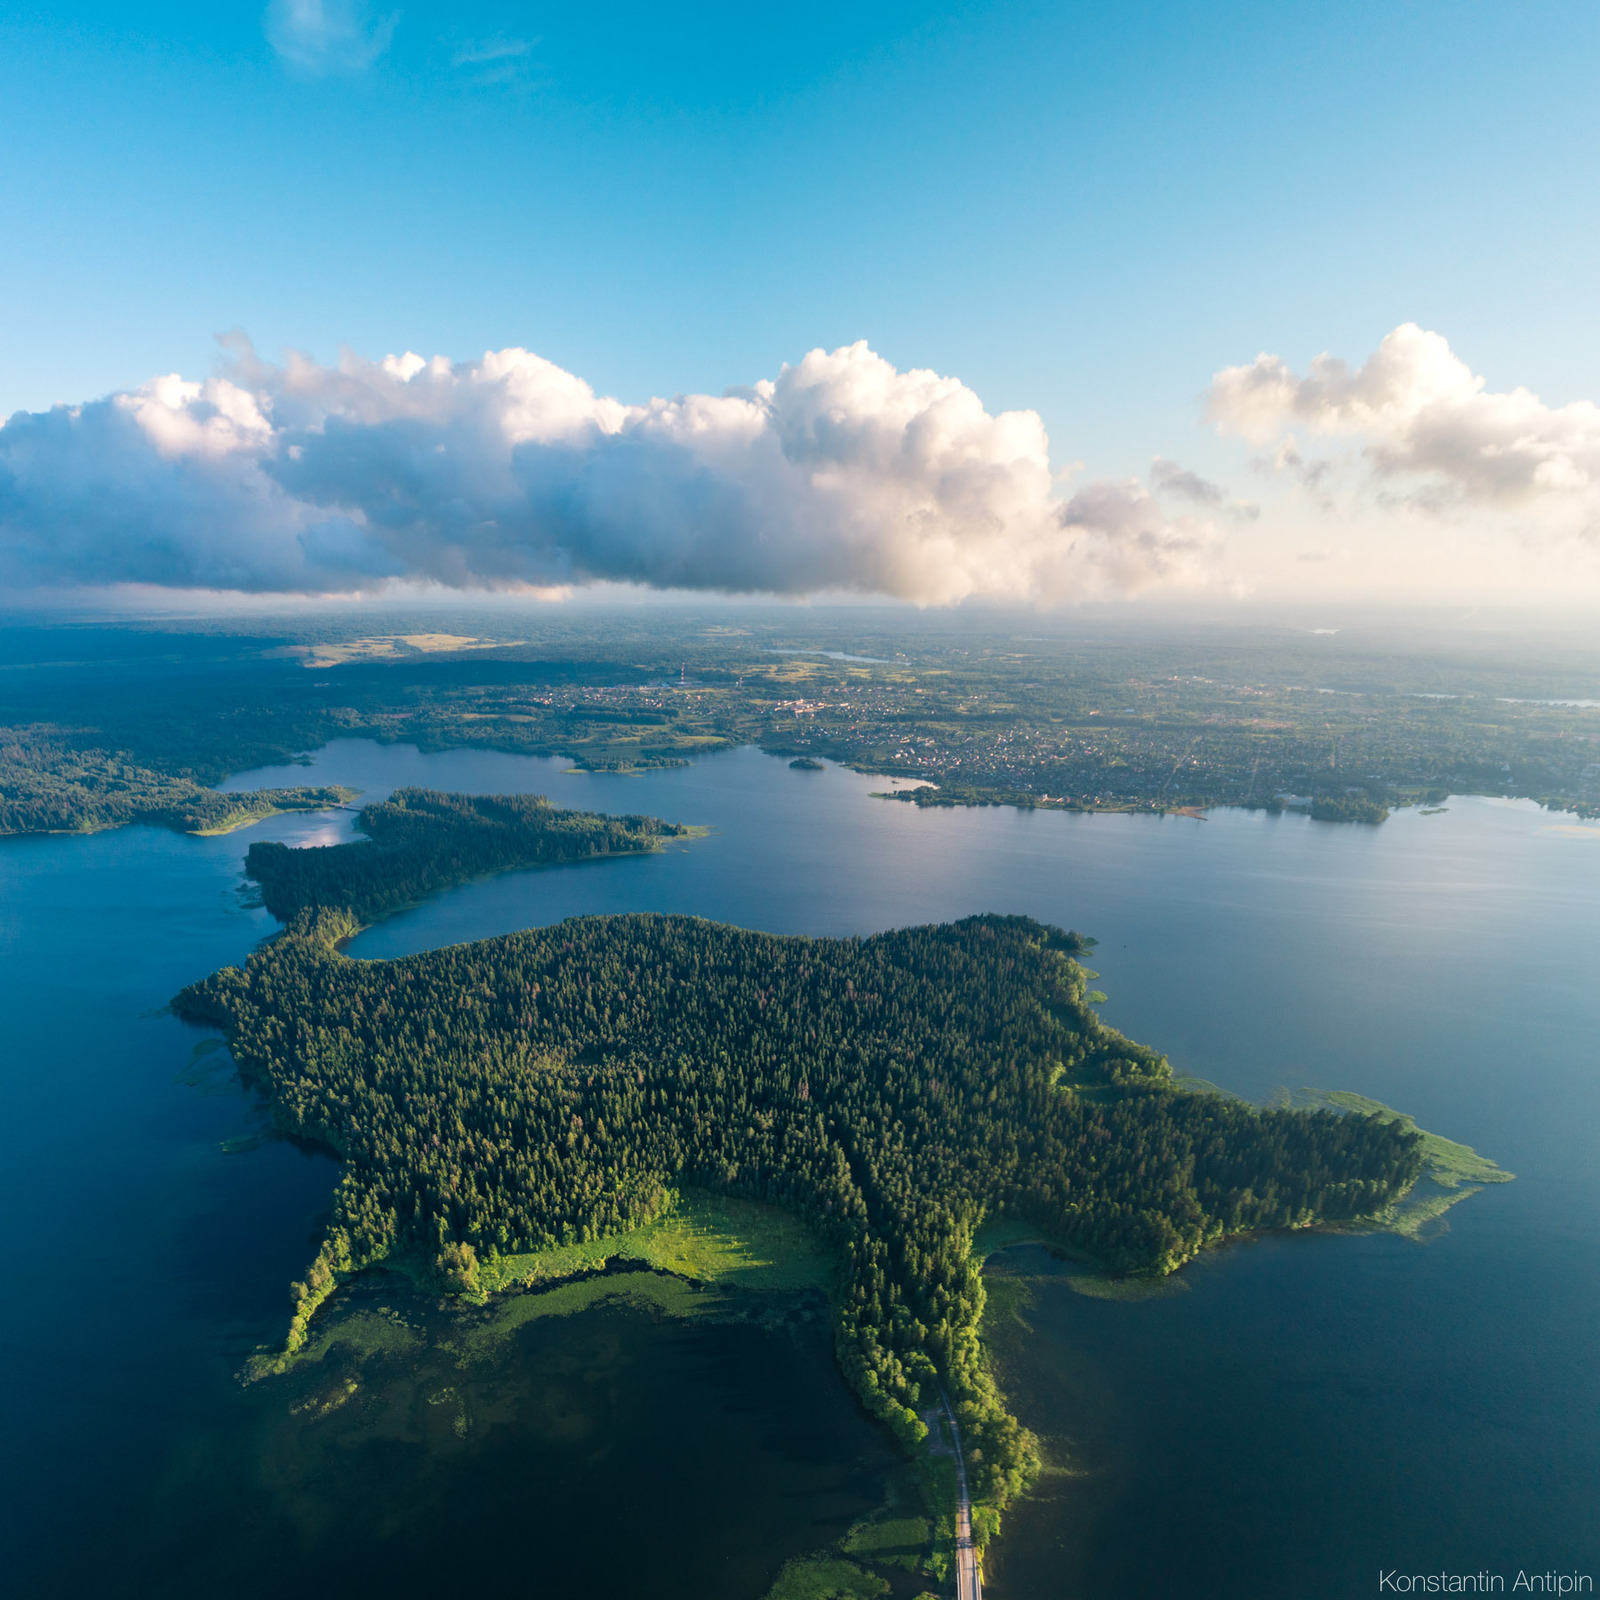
49 786
554 1087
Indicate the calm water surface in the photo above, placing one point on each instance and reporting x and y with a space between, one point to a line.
1309 1412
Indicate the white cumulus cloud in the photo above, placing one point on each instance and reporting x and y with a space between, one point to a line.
839 474
1430 430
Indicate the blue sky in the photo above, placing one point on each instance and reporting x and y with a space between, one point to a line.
1082 209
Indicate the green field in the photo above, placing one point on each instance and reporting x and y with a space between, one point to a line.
702 1237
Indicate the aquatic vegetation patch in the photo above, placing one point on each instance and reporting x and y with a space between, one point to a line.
1132 1288
826 1578
897 1541
1413 1218
483 1337
209 1068
358 1334
318 1405
243 1143
1005 1299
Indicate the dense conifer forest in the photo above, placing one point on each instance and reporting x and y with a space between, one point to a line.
895 1091
48 785
420 841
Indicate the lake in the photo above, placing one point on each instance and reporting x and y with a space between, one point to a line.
1308 1412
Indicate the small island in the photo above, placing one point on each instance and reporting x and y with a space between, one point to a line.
503 1107
808 764
420 842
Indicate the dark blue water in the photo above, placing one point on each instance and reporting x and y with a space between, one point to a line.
1313 1410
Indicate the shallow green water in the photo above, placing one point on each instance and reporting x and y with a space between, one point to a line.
1313 1410
622 1431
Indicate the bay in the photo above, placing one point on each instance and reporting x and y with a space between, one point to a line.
1310 1412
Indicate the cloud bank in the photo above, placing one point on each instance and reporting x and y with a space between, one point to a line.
842 474
1431 432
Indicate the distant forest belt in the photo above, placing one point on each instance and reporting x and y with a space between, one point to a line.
421 842
1147 725
556 1086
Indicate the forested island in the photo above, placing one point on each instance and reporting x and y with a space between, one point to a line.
895 1092
420 841
48 785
